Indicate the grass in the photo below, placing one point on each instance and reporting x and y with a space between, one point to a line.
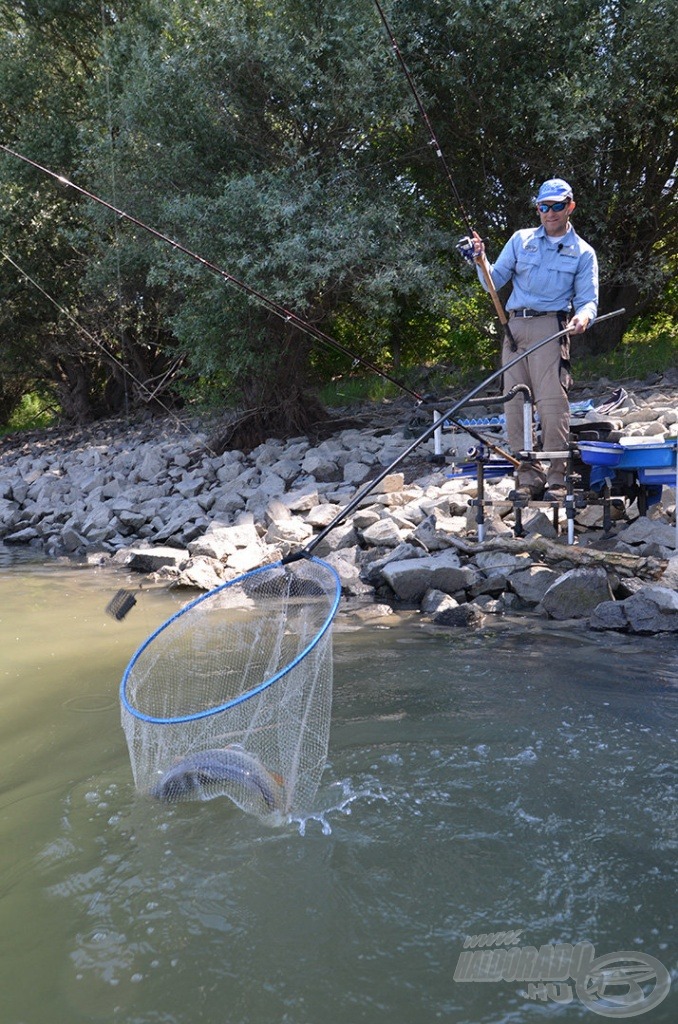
32 413
649 346
354 390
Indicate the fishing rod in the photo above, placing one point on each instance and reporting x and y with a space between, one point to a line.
465 247
289 317
273 307
429 433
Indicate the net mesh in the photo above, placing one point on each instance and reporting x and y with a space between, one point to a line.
232 695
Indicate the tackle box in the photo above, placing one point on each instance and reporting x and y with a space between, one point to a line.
653 461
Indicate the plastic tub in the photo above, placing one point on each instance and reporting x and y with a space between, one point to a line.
644 456
600 453
664 475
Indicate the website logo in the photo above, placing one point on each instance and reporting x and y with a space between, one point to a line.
624 984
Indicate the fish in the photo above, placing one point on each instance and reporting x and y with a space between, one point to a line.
202 775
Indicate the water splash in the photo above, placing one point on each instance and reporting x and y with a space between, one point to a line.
341 805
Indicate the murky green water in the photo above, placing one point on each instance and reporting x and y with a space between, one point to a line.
512 779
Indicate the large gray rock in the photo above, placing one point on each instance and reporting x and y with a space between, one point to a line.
435 601
576 594
153 558
372 571
383 533
289 531
321 468
502 561
9 515
609 615
537 523
410 579
203 573
669 577
652 610
465 615
439 531
648 531
341 536
356 473
219 541
531 584
345 564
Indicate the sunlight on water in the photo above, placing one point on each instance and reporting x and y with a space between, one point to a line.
519 778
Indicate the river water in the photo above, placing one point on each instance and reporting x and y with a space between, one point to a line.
521 778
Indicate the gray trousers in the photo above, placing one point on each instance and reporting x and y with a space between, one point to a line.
548 380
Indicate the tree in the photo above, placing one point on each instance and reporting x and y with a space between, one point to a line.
263 143
281 142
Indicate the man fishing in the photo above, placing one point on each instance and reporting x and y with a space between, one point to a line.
554 274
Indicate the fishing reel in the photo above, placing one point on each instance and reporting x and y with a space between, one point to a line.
479 453
465 248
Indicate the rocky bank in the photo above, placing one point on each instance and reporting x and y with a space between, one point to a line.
153 497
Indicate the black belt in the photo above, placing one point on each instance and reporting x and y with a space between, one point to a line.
534 312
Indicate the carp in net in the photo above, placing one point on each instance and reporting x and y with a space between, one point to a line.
232 695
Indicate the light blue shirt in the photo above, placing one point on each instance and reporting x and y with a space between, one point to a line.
548 277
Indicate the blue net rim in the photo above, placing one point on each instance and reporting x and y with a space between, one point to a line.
248 693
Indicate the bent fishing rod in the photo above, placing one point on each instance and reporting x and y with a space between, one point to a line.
273 307
428 433
286 315
465 246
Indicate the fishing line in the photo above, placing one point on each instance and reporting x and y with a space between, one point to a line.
114 184
465 246
285 314
280 311
110 356
422 110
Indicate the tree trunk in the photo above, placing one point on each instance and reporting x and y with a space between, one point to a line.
605 337
276 402
73 391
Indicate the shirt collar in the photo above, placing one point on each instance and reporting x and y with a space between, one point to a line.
570 234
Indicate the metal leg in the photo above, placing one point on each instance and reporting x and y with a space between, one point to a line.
570 480
480 507
607 517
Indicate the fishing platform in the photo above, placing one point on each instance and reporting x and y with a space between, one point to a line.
600 471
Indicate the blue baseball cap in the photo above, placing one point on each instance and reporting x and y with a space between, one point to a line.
554 188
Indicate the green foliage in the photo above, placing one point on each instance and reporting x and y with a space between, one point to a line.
281 142
587 91
353 390
34 412
649 346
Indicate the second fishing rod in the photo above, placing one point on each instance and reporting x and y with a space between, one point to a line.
427 434
288 316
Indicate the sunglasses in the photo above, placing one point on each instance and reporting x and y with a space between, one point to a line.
556 207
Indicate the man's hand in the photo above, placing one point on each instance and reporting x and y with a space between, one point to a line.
478 247
577 324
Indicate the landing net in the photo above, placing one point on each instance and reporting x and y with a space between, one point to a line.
232 695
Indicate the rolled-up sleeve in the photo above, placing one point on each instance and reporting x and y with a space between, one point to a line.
585 298
502 270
